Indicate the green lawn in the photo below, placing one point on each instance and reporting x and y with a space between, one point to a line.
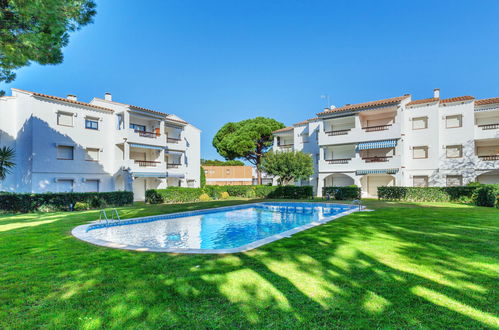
402 266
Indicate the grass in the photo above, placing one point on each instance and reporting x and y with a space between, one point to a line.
411 265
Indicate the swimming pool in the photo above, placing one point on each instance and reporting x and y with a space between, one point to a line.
219 230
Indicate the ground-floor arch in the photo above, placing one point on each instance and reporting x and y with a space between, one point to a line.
338 180
490 177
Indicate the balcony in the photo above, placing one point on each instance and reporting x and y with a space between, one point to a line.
173 165
146 163
377 128
152 135
358 163
358 133
489 158
376 159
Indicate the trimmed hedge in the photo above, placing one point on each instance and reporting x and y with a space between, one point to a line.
24 203
342 193
478 194
182 195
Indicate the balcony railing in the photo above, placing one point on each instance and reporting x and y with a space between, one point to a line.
338 132
173 140
173 165
146 163
147 134
285 145
376 128
489 126
339 160
489 157
377 159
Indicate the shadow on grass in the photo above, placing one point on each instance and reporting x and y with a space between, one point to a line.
397 267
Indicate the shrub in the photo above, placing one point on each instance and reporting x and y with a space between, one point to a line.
98 202
173 195
46 208
225 195
202 178
485 195
81 206
154 197
204 197
479 194
342 193
60 201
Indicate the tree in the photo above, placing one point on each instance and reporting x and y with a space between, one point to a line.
36 31
202 178
215 162
6 161
248 139
288 166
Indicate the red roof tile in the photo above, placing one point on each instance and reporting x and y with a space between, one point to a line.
365 105
283 129
64 100
423 101
458 99
487 101
305 121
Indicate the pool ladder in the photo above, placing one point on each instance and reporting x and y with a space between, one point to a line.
103 215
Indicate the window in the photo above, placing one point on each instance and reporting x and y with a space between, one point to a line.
420 152
454 121
92 154
91 123
91 185
141 128
454 151
317 158
65 119
420 181
65 185
419 123
65 152
454 180
227 171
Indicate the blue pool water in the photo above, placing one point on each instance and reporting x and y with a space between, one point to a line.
224 228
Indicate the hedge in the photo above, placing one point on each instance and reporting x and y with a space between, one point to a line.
342 193
13 202
182 195
478 194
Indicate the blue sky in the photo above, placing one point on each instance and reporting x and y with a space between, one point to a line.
216 61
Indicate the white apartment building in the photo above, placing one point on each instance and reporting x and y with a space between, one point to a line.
400 141
63 144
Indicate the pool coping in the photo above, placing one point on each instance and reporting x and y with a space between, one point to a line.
82 232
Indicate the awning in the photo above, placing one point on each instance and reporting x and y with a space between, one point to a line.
383 171
149 175
377 144
145 146
176 175
174 152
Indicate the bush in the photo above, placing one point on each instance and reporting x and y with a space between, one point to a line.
61 201
204 197
225 195
183 195
173 195
342 193
81 206
479 194
486 195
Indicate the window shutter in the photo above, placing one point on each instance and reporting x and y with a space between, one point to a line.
419 152
65 119
420 181
420 123
453 121
453 151
454 180
65 152
92 154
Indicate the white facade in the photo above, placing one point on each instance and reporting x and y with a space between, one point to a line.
430 142
62 144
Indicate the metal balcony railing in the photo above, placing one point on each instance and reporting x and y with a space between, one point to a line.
173 140
338 161
338 132
489 157
146 163
376 128
147 134
173 165
377 159
489 126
